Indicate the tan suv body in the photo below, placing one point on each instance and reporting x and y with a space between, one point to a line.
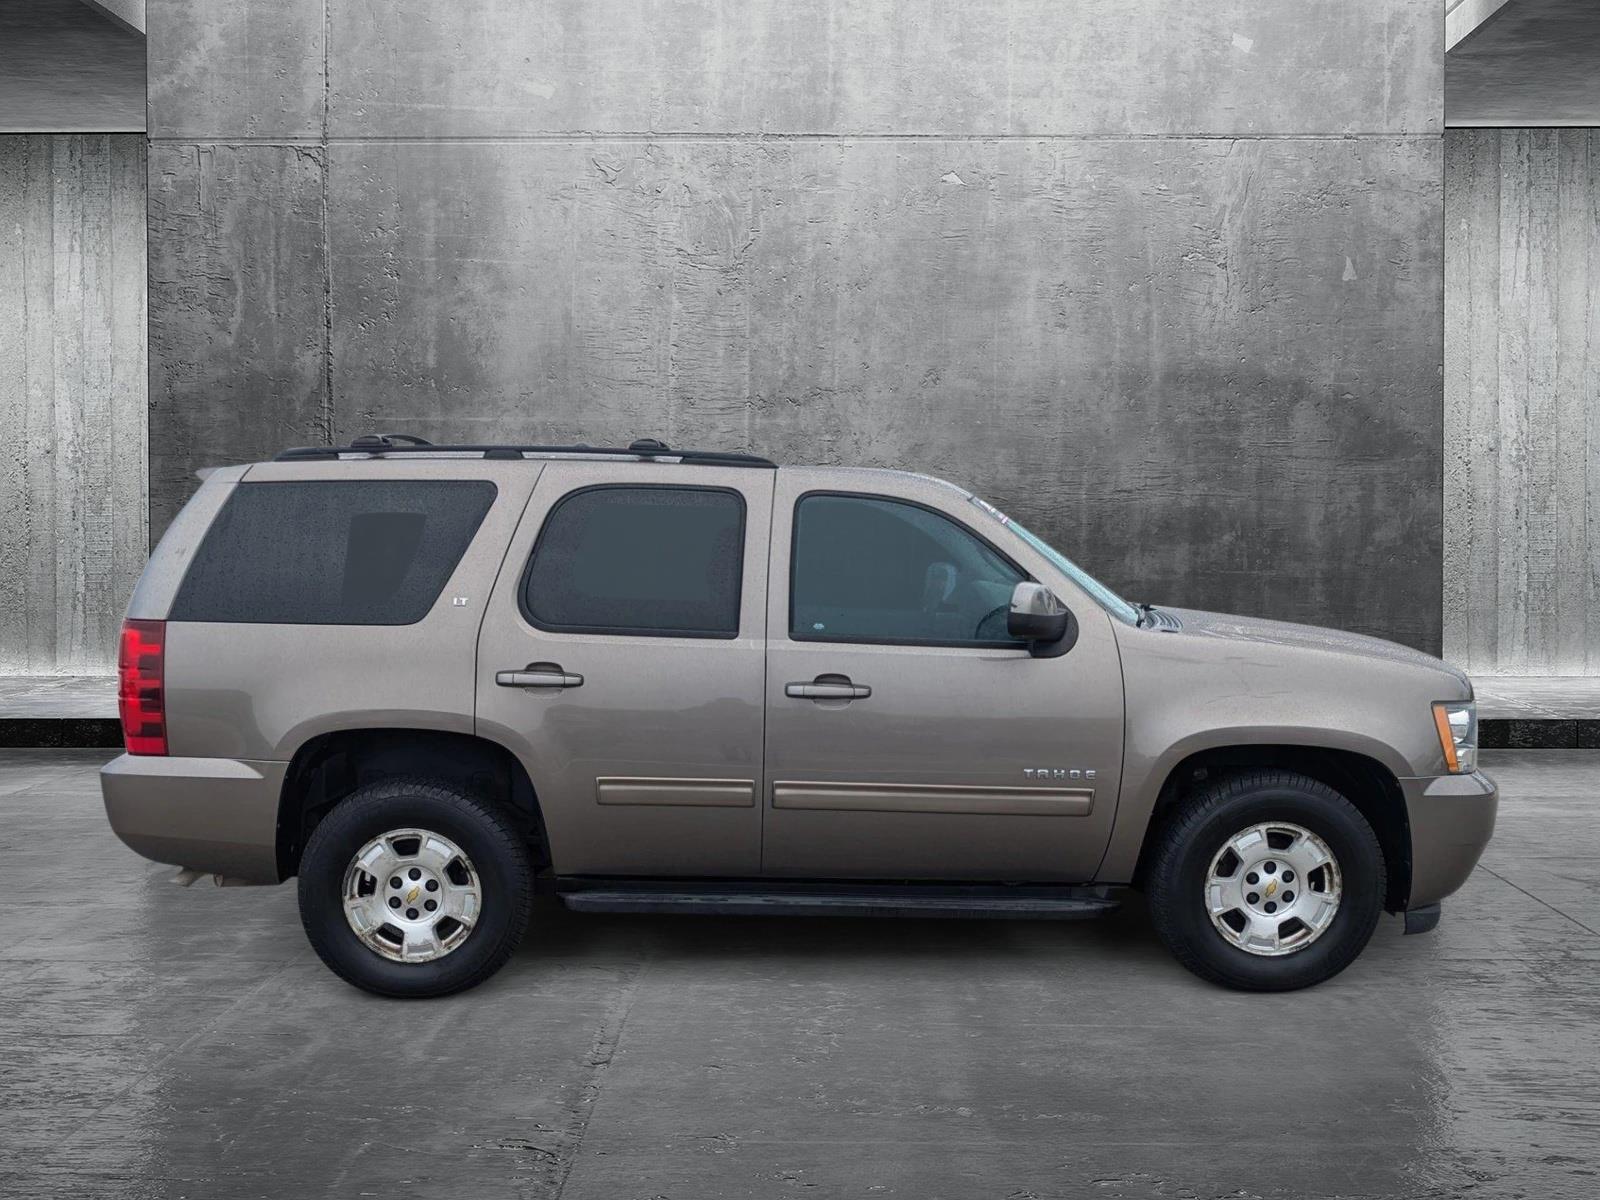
699 682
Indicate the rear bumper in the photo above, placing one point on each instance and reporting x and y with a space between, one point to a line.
1452 818
216 815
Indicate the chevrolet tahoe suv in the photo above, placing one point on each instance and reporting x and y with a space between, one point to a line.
432 681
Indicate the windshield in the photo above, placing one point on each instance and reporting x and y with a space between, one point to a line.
1103 596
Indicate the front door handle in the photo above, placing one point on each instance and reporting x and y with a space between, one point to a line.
828 687
539 675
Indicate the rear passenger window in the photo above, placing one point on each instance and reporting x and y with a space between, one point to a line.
332 552
645 560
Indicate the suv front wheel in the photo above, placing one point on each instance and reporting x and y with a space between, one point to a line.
415 887
1266 881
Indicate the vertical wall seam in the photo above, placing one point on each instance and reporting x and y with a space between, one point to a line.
327 239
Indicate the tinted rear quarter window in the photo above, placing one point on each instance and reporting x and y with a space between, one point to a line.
332 552
652 561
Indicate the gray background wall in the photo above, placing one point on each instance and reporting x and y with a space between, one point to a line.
72 397
1522 374
1165 280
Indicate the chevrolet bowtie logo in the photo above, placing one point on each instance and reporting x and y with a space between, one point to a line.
411 896
1271 887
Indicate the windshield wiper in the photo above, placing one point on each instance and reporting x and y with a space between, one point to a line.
1147 615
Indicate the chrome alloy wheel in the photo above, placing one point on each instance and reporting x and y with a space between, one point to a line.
412 895
1273 889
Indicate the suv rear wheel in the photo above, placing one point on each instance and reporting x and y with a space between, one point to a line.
1267 881
415 887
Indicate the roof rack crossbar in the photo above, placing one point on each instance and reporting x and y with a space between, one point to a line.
390 443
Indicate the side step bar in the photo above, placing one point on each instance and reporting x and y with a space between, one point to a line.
759 900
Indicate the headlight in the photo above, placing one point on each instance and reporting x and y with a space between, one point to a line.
1458 735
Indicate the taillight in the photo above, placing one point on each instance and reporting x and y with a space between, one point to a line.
141 701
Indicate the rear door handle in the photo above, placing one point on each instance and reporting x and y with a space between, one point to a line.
539 675
828 687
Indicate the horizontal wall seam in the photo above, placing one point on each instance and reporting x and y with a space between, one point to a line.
67 129
645 135
1495 123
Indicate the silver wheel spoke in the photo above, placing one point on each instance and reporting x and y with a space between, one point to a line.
1248 845
436 854
1316 910
379 860
422 942
1306 856
358 910
1222 896
1260 934
387 894
462 904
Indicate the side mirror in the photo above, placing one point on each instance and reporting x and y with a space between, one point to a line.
1039 618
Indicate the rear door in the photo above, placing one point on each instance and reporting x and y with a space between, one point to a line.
907 736
621 658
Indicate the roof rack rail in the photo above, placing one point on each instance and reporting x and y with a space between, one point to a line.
374 441
376 444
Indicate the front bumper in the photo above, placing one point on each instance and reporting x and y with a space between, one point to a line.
215 815
1452 819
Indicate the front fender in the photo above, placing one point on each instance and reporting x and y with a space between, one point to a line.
1146 772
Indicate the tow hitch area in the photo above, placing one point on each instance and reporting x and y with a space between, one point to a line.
187 876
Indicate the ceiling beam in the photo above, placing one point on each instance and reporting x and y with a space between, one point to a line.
1465 17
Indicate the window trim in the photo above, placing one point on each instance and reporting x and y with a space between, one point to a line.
968 644
633 631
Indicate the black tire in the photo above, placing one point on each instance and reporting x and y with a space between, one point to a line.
1196 833
498 854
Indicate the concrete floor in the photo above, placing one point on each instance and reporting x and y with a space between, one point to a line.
162 1042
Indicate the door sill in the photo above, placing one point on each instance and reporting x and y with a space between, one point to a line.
765 898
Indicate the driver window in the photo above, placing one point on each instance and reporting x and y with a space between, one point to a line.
867 569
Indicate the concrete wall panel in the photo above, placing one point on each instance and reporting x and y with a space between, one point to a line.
504 67
1165 279
237 309
1522 434
72 398
1128 343
1105 68
247 70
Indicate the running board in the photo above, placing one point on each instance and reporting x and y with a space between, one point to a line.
990 903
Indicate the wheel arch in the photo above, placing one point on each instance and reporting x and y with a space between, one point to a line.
330 766
1366 782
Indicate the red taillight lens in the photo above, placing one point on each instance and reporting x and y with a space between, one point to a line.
141 701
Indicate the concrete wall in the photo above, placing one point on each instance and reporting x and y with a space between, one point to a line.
1522 378
1162 279
72 397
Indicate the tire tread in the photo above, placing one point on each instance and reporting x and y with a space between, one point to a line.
1183 828
497 826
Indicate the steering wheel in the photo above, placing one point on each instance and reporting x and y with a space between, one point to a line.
992 627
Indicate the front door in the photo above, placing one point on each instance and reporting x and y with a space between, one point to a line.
907 736
621 659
